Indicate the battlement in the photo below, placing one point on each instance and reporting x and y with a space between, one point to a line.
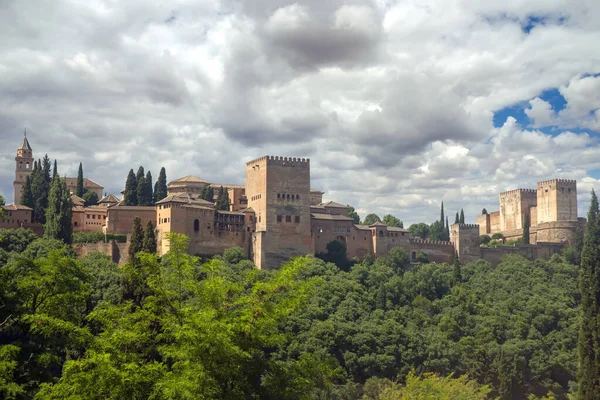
466 226
555 181
516 191
278 160
438 243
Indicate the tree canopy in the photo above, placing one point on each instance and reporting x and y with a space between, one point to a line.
390 220
371 219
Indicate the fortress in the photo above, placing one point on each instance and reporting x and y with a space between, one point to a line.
276 216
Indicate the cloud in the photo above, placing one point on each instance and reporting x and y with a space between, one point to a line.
392 101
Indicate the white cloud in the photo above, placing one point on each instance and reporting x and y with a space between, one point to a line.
392 101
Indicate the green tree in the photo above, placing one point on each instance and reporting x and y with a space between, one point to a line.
484 212
457 219
390 220
447 236
354 215
59 213
55 170
27 194
136 241
422 257
456 269
526 223
222 202
462 217
40 187
336 253
432 386
91 198
208 193
1 210
149 242
141 190
130 195
420 230
160 188
589 331
80 190
140 174
442 219
371 219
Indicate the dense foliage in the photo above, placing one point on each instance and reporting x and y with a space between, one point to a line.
177 328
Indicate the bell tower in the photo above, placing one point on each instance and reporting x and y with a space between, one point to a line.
23 167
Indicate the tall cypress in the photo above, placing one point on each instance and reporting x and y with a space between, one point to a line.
457 219
447 230
54 170
442 215
27 195
80 190
136 240
130 194
141 186
140 174
40 187
59 213
462 216
588 344
160 188
526 224
149 243
148 199
208 193
222 200
456 270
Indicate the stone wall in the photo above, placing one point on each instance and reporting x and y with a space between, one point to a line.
120 218
541 251
556 200
118 252
557 232
437 251
465 238
514 204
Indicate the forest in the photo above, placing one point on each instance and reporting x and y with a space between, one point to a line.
179 327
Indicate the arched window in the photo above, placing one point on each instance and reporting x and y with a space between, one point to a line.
380 233
21 165
27 165
196 225
297 197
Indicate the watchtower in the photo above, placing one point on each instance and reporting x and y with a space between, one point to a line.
278 190
514 205
465 238
556 200
23 167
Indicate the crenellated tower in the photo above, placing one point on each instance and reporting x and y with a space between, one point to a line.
23 167
556 200
278 190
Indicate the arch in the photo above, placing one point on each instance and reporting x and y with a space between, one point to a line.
20 164
381 233
196 225
341 239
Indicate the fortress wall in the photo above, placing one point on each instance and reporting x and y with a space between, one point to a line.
557 200
360 245
437 251
513 206
120 218
539 251
389 241
118 252
558 231
483 221
494 222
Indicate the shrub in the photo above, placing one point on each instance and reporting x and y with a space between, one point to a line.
422 257
484 239
497 236
88 237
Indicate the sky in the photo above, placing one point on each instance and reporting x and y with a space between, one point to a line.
398 104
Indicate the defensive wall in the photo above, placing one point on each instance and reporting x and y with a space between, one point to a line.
118 252
437 251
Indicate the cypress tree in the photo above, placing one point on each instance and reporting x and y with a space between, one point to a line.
484 212
91 198
54 170
462 217
59 213
208 193
79 191
222 200
136 242
148 199
46 166
140 174
526 224
588 344
457 220
442 215
160 188
149 243
40 187
27 195
141 187
447 230
456 271
130 195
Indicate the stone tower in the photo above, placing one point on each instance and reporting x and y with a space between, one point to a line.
278 190
557 200
23 168
465 238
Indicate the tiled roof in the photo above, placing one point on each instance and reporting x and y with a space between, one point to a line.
378 223
141 208
13 207
396 229
230 212
333 204
78 201
25 144
188 179
362 227
111 198
330 217
87 183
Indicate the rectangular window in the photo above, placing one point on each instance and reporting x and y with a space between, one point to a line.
94 216
288 218
297 219
88 216
279 218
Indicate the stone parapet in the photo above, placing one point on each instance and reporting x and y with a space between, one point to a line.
281 161
518 191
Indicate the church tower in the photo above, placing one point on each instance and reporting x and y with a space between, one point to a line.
23 167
